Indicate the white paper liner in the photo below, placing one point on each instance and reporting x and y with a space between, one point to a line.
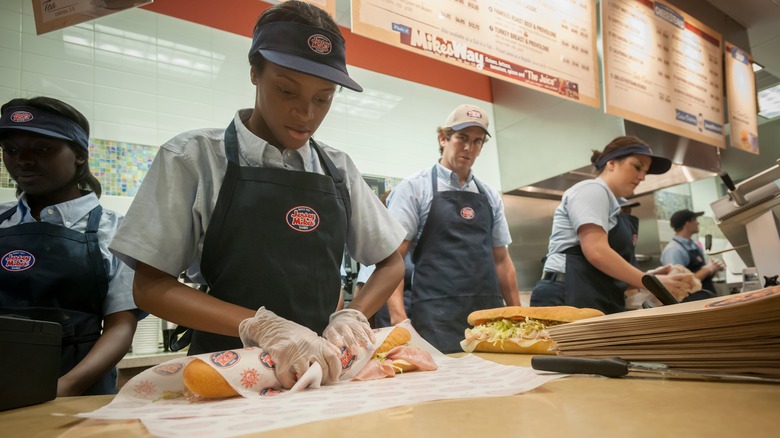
143 397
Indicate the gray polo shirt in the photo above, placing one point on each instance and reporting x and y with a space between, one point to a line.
73 215
587 202
166 224
410 203
676 251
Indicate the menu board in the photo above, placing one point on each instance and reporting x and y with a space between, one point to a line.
57 14
662 68
328 6
549 46
741 95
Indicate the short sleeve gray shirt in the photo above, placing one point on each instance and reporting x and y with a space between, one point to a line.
167 222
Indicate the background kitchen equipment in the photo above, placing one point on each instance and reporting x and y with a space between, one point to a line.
148 336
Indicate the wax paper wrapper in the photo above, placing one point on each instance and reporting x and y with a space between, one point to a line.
155 395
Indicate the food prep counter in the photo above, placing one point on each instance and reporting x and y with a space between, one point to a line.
641 406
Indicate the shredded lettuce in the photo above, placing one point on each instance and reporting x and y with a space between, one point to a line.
496 332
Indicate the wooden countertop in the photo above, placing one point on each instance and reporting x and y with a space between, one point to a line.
587 406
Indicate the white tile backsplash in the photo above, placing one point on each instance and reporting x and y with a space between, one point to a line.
145 83
142 77
10 77
11 6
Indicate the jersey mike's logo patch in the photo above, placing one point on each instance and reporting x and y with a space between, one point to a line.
467 213
303 219
21 116
17 260
224 359
320 44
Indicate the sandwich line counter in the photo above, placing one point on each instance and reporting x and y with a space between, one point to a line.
581 405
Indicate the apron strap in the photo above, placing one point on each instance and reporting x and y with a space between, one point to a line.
338 178
7 215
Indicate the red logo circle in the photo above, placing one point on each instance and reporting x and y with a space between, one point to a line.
467 213
224 359
21 116
303 219
320 44
17 260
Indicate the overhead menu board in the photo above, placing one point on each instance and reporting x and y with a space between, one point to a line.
52 15
663 68
741 95
328 6
545 45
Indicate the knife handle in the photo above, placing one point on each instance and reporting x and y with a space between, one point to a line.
654 285
611 367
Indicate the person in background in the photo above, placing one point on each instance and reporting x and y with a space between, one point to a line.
682 250
54 244
457 234
263 212
588 262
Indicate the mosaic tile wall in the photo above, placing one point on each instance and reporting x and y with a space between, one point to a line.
118 166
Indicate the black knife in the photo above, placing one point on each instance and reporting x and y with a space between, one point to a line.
654 285
617 367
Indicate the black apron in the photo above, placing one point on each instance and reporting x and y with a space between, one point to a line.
276 239
696 262
53 273
454 269
586 286
634 222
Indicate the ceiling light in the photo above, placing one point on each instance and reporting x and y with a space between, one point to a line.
769 102
757 67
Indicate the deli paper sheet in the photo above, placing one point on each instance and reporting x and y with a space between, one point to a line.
152 396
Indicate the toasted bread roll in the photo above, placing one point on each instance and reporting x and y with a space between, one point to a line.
204 381
399 336
551 313
546 346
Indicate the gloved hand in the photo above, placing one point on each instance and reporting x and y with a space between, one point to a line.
292 347
714 266
661 270
349 328
680 285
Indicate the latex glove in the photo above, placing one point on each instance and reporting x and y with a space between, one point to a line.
349 328
715 265
292 347
661 270
679 285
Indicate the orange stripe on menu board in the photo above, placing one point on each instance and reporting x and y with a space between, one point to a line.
239 16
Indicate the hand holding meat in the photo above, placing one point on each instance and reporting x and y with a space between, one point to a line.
292 346
349 328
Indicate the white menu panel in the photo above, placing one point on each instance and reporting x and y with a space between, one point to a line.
741 94
52 15
545 45
662 68
328 6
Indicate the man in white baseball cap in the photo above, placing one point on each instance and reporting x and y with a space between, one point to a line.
457 234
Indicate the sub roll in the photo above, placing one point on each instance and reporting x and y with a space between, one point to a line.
201 381
519 329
